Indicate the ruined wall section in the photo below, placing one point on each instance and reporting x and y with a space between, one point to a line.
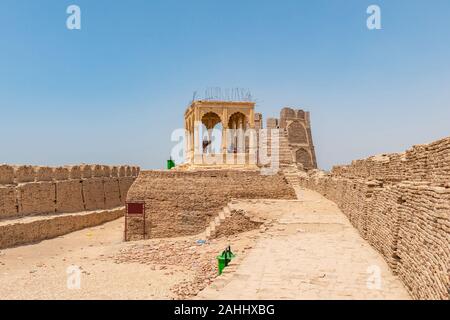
400 203
295 126
182 203
34 229
36 190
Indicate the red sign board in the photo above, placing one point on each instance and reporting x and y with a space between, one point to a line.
135 208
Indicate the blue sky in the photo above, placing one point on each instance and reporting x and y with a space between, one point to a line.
114 91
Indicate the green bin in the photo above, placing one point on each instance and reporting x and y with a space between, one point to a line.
170 164
222 263
224 259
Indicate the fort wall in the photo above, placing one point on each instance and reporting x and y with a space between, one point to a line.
34 229
33 190
182 203
49 194
400 203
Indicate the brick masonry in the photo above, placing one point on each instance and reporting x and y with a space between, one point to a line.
38 203
183 202
32 190
400 203
34 229
296 141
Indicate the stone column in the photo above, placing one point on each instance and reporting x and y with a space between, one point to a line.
224 141
186 137
252 118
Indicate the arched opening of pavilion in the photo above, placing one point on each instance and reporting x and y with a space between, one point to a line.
211 133
237 125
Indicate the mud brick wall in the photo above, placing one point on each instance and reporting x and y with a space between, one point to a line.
429 163
400 203
111 189
182 203
37 197
93 193
35 229
297 125
7 201
37 190
424 240
69 196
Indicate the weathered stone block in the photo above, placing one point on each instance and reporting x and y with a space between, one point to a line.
272 123
8 207
112 192
74 172
86 171
61 173
114 172
128 171
69 197
125 184
122 171
44 173
24 174
106 171
6 174
94 193
36 198
97 171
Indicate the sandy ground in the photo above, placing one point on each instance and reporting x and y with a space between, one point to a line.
110 268
308 250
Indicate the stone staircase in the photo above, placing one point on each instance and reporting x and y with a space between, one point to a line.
284 150
226 215
292 175
223 214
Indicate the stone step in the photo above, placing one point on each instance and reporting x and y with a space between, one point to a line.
227 211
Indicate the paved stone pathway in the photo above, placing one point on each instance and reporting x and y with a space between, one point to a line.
311 252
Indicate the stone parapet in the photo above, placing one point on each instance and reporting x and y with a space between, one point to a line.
41 190
400 203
